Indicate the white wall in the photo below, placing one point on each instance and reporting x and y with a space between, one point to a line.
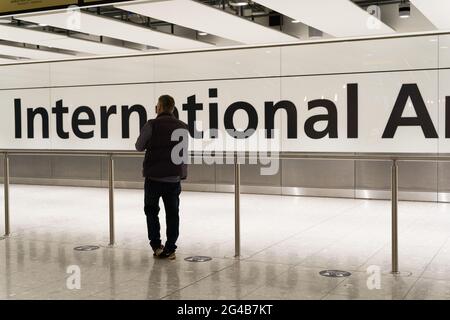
297 73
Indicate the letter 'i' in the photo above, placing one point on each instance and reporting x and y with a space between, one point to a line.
352 110
447 117
18 117
213 116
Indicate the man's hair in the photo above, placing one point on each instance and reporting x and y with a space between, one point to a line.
167 103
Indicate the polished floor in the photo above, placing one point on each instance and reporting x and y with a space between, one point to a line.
286 242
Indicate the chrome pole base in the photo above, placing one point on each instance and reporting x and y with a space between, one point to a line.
398 273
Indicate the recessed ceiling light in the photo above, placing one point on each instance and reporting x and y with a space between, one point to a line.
238 3
404 10
201 33
295 21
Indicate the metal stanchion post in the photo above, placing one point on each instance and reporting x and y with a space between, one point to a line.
237 208
394 202
111 200
6 193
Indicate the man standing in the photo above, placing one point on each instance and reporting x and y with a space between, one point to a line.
163 174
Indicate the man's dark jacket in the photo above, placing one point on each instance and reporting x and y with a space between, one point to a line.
158 161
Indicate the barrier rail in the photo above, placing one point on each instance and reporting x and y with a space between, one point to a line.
111 154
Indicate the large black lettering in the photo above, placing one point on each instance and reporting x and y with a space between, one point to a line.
213 115
77 122
269 115
191 107
18 118
447 117
126 113
59 111
105 113
31 114
252 120
331 117
422 119
352 110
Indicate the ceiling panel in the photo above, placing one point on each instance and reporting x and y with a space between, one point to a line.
102 26
48 39
339 18
437 11
31 53
197 16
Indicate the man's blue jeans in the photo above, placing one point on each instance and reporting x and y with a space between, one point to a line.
170 193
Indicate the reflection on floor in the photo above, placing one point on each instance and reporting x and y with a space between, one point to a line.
286 241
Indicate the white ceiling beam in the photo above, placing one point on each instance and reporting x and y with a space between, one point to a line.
437 11
197 16
88 46
3 60
339 18
18 34
113 28
31 53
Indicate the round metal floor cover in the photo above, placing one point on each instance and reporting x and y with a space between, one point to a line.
86 248
198 259
335 273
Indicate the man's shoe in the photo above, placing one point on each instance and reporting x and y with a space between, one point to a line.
167 254
157 251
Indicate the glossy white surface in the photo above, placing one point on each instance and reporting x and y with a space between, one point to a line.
103 71
444 76
377 94
258 62
444 51
172 67
24 76
408 53
252 91
213 21
341 18
35 98
92 24
361 56
95 97
256 76
286 241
